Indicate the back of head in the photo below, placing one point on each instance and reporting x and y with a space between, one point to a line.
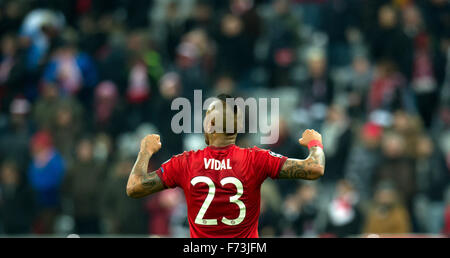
224 115
223 120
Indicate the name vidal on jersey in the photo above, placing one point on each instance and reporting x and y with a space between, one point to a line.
217 164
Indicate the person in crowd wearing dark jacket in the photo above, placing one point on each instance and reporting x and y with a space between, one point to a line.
82 185
16 201
120 214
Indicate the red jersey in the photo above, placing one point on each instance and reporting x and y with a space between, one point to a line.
222 188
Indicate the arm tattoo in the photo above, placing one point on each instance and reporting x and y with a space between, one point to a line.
151 181
294 168
141 183
310 168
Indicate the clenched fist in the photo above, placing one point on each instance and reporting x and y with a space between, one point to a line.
151 144
309 135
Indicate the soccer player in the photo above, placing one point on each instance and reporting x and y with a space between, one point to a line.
222 182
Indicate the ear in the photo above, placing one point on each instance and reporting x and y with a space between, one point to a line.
209 125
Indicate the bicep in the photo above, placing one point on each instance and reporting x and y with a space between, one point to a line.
310 168
147 184
152 182
294 168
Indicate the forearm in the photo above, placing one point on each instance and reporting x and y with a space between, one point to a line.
141 183
141 165
311 168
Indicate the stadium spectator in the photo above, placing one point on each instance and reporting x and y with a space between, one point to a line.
337 127
82 186
16 133
12 70
389 42
387 215
170 87
11 18
283 35
364 158
144 69
39 31
423 79
45 174
109 109
270 209
67 126
398 168
410 128
388 89
234 53
201 18
301 211
432 181
360 76
119 214
318 89
339 22
17 209
71 70
345 218
46 106
190 63
160 209
92 39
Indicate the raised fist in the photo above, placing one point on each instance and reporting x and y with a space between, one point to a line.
309 135
151 144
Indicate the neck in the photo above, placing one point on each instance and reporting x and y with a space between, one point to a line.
222 140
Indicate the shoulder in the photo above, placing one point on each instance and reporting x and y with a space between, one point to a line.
249 149
252 152
258 150
184 155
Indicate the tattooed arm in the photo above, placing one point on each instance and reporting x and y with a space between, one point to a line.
312 167
141 183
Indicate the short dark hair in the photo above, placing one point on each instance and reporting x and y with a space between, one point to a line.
223 97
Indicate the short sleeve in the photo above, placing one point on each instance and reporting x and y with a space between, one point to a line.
171 172
268 163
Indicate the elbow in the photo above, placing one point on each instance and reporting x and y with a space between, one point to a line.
132 189
321 171
317 172
132 193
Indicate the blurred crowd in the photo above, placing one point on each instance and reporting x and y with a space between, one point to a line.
82 81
